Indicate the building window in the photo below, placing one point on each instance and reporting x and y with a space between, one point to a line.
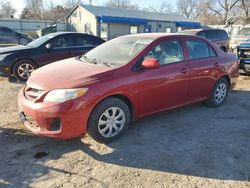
80 16
104 31
74 27
167 29
88 28
133 29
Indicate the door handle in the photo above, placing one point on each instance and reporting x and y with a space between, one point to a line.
184 71
216 64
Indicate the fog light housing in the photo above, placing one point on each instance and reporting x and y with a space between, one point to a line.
55 124
7 69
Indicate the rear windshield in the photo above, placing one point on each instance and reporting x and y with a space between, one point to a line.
222 35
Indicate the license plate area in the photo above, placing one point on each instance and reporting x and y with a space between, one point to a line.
28 121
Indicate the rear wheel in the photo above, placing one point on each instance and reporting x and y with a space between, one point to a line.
23 69
23 41
219 93
109 120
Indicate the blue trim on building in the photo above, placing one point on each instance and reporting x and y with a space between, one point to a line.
111 19
196 25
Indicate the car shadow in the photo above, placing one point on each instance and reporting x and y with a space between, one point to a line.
194 140
14 80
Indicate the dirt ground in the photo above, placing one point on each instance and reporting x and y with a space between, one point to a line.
193 146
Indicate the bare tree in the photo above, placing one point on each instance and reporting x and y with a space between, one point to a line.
7 10
188 8
162 8
122 4
70 4
244 7
222 8
35 9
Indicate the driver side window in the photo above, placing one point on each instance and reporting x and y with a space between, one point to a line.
167 52
62 41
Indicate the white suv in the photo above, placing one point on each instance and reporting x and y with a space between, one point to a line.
242 36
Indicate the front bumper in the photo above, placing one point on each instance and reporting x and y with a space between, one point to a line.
245 66
73 116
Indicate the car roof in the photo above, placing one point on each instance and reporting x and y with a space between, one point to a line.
198 30
64 32
159 35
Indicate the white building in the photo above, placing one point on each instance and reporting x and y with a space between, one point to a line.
109 23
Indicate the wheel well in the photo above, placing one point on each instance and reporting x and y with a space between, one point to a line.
22 60
228 79
126 100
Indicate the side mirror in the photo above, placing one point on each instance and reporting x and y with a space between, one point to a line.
151 63
49 46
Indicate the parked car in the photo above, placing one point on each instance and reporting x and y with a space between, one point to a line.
217 36
10 37
122 80
21 61
243 52
242 36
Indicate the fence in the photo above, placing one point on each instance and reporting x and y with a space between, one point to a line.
26 26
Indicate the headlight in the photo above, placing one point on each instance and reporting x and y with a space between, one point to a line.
62 95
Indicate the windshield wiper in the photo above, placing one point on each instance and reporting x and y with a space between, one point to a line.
81 57
95 60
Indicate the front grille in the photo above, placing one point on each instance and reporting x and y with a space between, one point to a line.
33 94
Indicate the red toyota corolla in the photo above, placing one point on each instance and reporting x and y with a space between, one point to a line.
122 80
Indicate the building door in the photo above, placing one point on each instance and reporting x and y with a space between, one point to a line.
104 31
148 29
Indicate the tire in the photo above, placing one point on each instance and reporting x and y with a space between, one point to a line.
106 130
23 41
23 68
219 93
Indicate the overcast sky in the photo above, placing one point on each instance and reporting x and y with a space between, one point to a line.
19 4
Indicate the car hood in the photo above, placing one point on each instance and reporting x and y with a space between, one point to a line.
240 37
68 73
244 45
13 49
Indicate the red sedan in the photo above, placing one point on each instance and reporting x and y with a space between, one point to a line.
122 80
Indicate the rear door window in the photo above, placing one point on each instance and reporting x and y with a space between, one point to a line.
199 49
94 40
201 34
87 40
222 35
211 35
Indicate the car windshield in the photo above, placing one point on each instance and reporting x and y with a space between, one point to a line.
40 41
244 31
117 52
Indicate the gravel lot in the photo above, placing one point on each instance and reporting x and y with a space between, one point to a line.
193 146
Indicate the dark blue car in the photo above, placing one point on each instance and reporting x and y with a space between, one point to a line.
243 52
9 37
21 61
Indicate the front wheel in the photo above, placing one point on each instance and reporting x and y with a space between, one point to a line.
23 69
219 93
109 120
